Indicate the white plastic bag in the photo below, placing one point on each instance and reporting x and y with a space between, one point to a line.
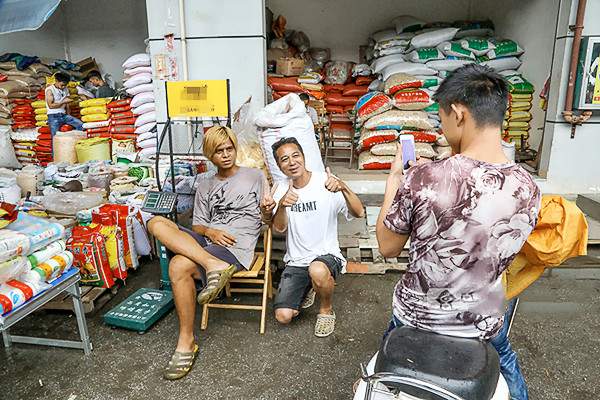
502 64
287 117
8 159
433 38
137 60
142 98
379 64
249 152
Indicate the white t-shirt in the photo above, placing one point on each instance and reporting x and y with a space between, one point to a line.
312 222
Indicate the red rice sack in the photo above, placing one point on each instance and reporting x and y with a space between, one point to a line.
415 99
369 138
284 84
89 255
355 90
121 136
97 130
401 81
371 104
125 121
333 88
422 150
364 80
119 103
426 136
368 161
121 109
122 115
334 109
122 129
337 99
398 120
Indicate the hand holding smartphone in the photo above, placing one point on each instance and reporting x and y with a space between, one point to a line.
407 143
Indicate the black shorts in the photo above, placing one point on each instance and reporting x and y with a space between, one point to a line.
295 282
220 252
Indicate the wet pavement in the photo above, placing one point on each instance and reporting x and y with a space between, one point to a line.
556 334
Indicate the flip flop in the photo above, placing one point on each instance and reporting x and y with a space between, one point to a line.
309 299
180 364
325 325
216 281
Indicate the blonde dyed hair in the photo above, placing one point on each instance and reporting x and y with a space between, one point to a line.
216 136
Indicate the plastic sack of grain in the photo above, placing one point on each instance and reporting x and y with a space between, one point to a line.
338 72
96 124
145 128
101 101
368 161
137 80
145 119
455 49
142 98
407 68
385 149
13 267
433 38
390 51
47 252
401 81
449 64
93 110
425 54
505 48
371 104
422 136
376 86
384 35
137 60
12 296
502 64
396 119
407 23
379 64
144 108
478 46
94 117
138 70
369 138
519 85
518 116
415 99
443 152
39 231
53 267
146 87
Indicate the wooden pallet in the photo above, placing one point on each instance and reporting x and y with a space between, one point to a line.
93 298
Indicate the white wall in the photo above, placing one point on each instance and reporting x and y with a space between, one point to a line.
344 25
108 30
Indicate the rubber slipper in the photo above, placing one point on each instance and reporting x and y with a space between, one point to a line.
309 299
180 364
216 282
325 325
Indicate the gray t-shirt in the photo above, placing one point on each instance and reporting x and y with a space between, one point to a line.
232 205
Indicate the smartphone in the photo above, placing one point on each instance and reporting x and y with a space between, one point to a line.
408 149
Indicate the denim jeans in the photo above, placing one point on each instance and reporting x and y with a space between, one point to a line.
509 364
55 121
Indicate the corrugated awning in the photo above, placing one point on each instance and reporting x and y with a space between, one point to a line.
25 15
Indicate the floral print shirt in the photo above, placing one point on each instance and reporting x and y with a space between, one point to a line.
467 220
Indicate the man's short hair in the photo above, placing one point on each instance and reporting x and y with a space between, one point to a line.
62 77
281 142
480 89
94 74
215 137
304 97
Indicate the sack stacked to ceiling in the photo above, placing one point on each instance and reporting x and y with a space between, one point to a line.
518 115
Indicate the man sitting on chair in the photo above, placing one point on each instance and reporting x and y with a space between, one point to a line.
225 228
308 209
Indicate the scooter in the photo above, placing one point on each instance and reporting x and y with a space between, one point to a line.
414 364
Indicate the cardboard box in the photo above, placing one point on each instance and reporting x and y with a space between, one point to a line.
290 66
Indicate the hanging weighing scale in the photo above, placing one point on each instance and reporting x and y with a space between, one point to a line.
192 99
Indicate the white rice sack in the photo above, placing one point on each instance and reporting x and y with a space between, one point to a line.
383 35
442 141
455 49
402 40
147 152
144 108
424 55
509 72
376 86
8 159
448 64
384 149
146 87
477 46
360 70
148 143
138 70
142 98
95 124
145 119
433 38
390 50
145 128
505 48
379 64
407 68
398 120
407 22
425 150
502 64
136 80
147 135
137 60
443 152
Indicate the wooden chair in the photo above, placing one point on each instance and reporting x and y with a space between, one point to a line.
338 141
258 274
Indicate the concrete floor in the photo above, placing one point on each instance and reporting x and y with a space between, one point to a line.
556 335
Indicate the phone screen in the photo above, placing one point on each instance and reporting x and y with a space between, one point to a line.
408 149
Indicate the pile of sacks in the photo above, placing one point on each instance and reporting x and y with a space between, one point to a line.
518 116
121 128
138 84
94 116
32 255
24 143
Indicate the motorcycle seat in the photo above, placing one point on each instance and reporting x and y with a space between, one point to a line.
468 368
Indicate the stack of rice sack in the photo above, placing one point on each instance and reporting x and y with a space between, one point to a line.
74 108
32 255
122 127
94 115
24 142
139 85
518 116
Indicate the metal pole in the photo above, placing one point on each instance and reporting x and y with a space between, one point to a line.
80 316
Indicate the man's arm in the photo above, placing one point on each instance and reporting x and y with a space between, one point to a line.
280 220
50 100
355 206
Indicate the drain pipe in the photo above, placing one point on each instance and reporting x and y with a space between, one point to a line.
184 58
568 113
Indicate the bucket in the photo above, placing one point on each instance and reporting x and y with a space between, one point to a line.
93 149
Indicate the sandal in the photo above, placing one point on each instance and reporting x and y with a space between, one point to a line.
309 299
181 363
325 325
216 281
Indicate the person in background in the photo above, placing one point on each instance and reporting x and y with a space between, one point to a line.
312 113
57 104
307 209
225 228
102 88
467 217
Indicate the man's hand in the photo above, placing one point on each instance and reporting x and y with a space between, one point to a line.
267 204
66 101
290 198
397 168
333 183
220 237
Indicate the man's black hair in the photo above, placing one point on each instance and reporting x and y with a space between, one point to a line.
94 74
281 142
62 77
304 97
480 89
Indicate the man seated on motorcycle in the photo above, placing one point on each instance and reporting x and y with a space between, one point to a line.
307 208
467 216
